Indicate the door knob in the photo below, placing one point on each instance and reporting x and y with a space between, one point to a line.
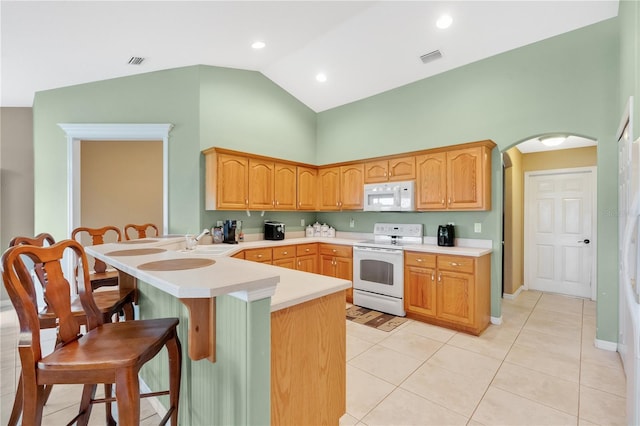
586 241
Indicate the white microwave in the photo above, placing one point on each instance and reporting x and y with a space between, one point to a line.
390 196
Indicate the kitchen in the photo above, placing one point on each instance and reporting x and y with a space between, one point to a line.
345 133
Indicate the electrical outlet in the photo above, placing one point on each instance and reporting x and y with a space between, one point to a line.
301 222
352 223
219 223
477 227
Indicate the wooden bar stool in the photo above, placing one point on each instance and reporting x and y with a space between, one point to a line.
100 277
141 230
109 303
108 352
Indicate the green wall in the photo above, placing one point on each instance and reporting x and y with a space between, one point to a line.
564 84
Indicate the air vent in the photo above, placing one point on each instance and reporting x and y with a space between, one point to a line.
431 56
135 60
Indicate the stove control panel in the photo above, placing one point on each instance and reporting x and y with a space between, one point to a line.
398 229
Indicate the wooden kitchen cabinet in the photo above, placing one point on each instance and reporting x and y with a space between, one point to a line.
394 169
227 181
447 290
337 261
455 179
262 255
284 256
341 188
307 188
307 258
271 185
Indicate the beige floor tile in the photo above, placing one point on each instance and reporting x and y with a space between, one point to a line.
413 345
526 299
364 392
431 331
559 303
6 403
601 407
500 332
611 380
455 392
348 420
589 308
466 363
386 364
600 357
355 346
514 316
551 391
546 362
551 326
9 381
492 347
405 408
535 340
365 332
583 422
499 407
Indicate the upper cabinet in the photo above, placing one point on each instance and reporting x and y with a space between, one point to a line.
455 179
394 169
307 188
448 178
341 187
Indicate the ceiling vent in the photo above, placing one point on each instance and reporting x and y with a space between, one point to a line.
135 60
431 56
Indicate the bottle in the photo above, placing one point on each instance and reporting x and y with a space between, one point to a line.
239 231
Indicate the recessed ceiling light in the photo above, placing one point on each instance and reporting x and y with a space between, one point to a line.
258 44
321 77
444 22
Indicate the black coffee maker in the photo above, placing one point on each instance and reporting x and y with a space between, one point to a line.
446 235
229 232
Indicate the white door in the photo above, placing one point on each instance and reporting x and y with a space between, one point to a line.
559 224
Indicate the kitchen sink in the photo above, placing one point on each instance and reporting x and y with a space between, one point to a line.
214 249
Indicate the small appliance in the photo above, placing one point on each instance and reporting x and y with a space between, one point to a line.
273 230
229 229
446 235
389 197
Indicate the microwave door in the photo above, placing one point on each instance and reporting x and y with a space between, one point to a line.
380 200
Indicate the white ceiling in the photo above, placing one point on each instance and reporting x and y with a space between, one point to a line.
363 47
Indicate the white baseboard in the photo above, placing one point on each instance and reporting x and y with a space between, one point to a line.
514 295
496 320
606 345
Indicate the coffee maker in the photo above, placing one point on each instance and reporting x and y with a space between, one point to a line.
446 235
229 232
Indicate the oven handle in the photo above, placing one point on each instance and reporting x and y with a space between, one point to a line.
398 252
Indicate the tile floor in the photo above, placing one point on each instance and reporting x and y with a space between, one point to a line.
539 367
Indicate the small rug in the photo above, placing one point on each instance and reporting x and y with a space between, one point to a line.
375 319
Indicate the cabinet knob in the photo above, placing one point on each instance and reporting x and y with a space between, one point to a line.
299 263
439 276
277 203
442 201
259 256
419 260
285 252
307 250
455 264
433 276
449 200
334 250
385 173
300 203
246 201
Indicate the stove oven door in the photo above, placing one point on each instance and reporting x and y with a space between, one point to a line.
379 270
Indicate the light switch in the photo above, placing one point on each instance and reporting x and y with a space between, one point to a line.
477 227
301 222
352 223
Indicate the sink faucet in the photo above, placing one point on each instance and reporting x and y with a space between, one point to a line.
202 234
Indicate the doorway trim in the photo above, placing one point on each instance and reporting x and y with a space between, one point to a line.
77 132
593 170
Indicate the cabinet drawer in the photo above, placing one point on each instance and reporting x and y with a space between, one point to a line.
413 258
336 250
258 255
305 249
455 263
284 252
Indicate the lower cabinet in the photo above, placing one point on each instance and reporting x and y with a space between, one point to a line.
284 256
307 257
303 257
451 291
337 261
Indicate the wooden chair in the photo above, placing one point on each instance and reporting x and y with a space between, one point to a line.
110 303
78 358
140 229
100 277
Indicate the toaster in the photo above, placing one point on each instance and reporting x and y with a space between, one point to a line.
273 230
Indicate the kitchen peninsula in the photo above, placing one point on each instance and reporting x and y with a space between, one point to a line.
275 339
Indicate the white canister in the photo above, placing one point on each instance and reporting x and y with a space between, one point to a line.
309 231
324 230
331 233
316 229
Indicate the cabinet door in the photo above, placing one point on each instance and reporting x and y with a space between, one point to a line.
285 186
376 171
455 297
465 177
402 168
344 270
327 265
232 182
285 263
308 263
258 255
352 187
431 191
261 176
420 290
307 188
329 188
